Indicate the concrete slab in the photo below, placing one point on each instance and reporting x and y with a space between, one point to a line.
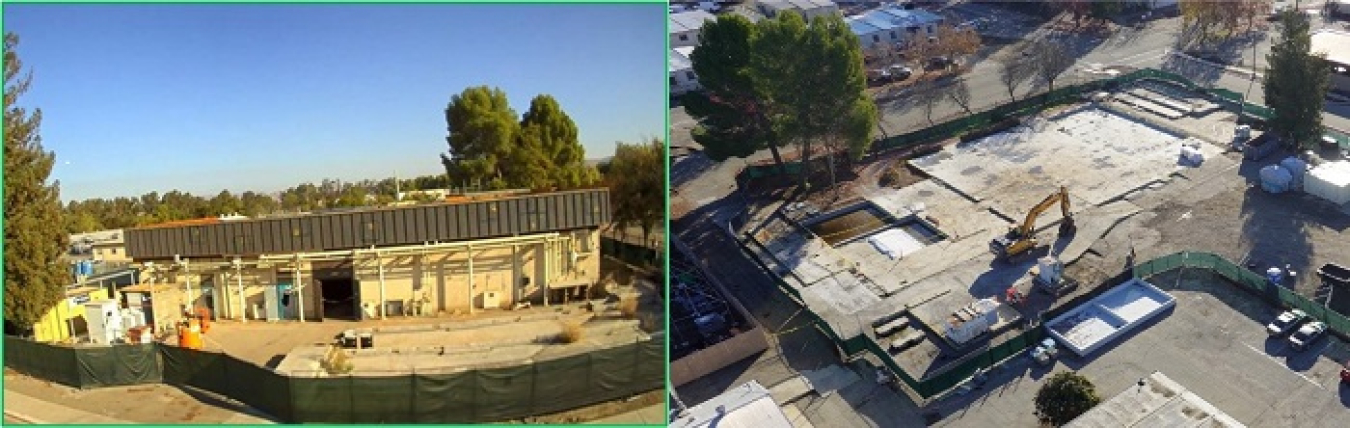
829 379
790 390
418 356
795 416
1098 155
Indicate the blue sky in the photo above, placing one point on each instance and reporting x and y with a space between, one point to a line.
200 98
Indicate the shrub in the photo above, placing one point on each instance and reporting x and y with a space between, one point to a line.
571 332
1064 397
890 177
628 306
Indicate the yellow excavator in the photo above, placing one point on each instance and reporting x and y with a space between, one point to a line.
1021 238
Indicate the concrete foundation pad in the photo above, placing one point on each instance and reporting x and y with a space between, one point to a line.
1097 154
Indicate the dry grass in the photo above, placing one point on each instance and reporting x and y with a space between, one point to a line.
337 362
571 332
628 306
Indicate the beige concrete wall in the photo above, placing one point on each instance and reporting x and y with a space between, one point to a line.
440 278
110 253
716 357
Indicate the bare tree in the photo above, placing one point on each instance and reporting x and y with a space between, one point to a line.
929 94
1012 71
960 93
1049 60
956 43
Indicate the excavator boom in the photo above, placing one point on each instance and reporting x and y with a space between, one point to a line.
1022 237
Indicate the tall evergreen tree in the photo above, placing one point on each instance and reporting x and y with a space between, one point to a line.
34 237
1296 83
550 136
488 145
637 182
813 77
482 132
731 110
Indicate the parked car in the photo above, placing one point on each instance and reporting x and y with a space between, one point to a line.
878 76
940 62
1286 322
1307 335
899 72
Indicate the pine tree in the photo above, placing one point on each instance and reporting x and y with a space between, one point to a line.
34 237
1296 84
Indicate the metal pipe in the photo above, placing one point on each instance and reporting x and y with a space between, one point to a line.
486 243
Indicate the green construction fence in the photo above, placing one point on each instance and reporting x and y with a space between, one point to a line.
481 395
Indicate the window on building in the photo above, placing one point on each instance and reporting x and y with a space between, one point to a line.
930 30
113 251
684 37
876 38
894 36
690 75
673 81
913 30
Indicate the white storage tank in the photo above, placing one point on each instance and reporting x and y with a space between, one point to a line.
104 321
1330 181
1297 169
1275 179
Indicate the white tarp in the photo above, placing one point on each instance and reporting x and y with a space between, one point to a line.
895 243
1330 181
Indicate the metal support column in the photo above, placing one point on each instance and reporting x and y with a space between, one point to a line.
239 288
543 282
515 275
471 285
299 290
383 301
187 285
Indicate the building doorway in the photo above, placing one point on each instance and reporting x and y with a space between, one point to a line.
339 298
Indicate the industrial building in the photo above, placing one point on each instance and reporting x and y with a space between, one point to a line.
808 9
893 25
682 77
483 252
685 27
1335 44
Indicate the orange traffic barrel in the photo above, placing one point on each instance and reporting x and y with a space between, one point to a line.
190 338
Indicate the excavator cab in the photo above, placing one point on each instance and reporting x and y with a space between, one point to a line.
1021 238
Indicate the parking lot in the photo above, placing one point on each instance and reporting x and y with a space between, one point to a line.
1213 343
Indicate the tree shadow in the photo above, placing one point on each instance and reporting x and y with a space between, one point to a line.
222 402
1276 226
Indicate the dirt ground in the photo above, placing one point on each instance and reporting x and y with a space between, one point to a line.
598 411
266 343
156 404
